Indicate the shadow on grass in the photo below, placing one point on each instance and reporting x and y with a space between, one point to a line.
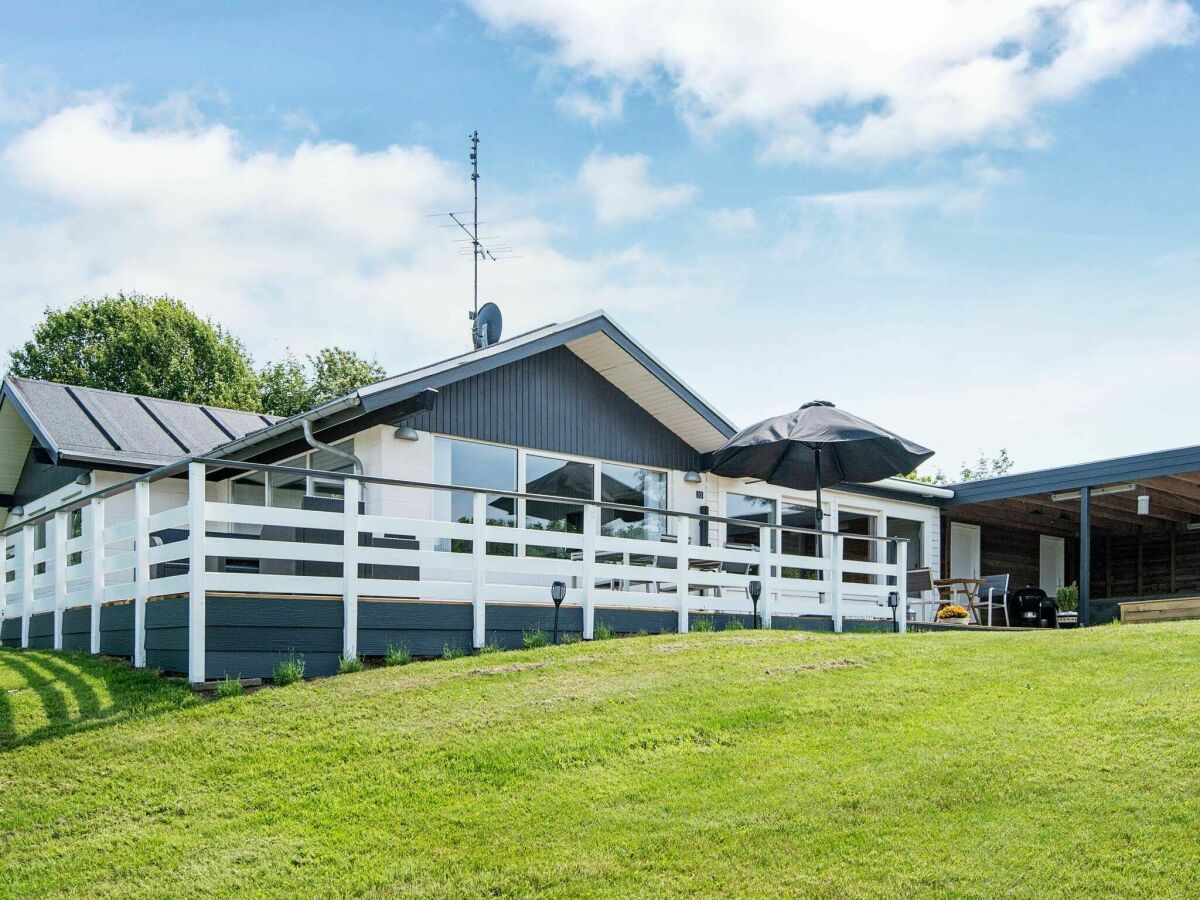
78 692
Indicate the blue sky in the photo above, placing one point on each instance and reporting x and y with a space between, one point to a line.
976 224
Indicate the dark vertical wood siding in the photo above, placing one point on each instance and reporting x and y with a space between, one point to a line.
554 401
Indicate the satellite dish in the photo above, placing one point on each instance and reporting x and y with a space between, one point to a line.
488 325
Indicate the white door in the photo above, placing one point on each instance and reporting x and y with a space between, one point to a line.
1052 563
964 550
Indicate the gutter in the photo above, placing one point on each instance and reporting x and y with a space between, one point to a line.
313 415
904 486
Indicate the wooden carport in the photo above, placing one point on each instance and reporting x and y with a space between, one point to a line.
1132 526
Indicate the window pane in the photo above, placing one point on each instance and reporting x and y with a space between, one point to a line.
754 511
324 461
74 530
911 529
557 478
632 486
249 490
471 464
798 543
287 490
857 551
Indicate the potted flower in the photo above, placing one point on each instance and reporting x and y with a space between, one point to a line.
953 615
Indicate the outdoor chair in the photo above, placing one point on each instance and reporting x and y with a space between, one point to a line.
738 568
920 582
992 596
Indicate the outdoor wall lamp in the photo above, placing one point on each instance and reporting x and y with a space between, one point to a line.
692 477
406 433
17 510
755 591
83 479
558 593
893 605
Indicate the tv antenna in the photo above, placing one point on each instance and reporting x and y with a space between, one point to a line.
485 323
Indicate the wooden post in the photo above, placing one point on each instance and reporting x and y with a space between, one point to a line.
902 584
350 557
1108 564
1174 586
60 575
1085 553
591 530
141 571
197 638
26 581
3 576
479 552
681 574
1139 561
98 581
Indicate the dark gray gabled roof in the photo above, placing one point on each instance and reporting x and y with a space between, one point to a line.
595 338
98 427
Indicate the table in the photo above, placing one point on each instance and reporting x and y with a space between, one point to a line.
969 587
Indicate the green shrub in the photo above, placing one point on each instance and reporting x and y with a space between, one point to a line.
735 625
231 687
534 638
455 652
603 632
704 623
572 637
397 655
490 647
289 670
1068 597
350 664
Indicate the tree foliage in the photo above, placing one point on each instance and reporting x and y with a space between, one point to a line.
153 346
157 347
985 467
289 386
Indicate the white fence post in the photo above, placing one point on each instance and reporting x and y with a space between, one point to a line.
591 530
683 563
764 573
479 558
98 579
26 581
141 570
902 584
197 519
60 575
350 558
835 574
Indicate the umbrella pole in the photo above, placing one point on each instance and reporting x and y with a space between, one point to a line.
820 511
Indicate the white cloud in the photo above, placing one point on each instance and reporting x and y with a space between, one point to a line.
840 81
593 109
323 243
620 190
732 222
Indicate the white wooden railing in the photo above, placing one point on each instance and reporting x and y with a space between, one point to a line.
127 561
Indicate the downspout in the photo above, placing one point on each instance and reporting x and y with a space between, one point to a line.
318 445
306 425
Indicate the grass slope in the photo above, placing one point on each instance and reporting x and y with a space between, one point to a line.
1032 764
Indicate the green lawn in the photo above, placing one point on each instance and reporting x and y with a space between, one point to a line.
1022 764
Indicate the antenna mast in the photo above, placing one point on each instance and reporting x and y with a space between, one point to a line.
475 222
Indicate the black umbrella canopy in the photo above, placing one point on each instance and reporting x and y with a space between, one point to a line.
816 446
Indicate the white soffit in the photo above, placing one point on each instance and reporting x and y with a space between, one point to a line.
15 441
630 377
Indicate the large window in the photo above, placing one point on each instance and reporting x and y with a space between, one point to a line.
797 543
850 522
753 512
914 531
287 490
631 486
552 477
471 464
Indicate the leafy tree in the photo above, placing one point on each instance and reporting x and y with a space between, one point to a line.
985 467
153 346
288 387
997 465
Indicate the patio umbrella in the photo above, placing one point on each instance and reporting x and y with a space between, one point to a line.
816 446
